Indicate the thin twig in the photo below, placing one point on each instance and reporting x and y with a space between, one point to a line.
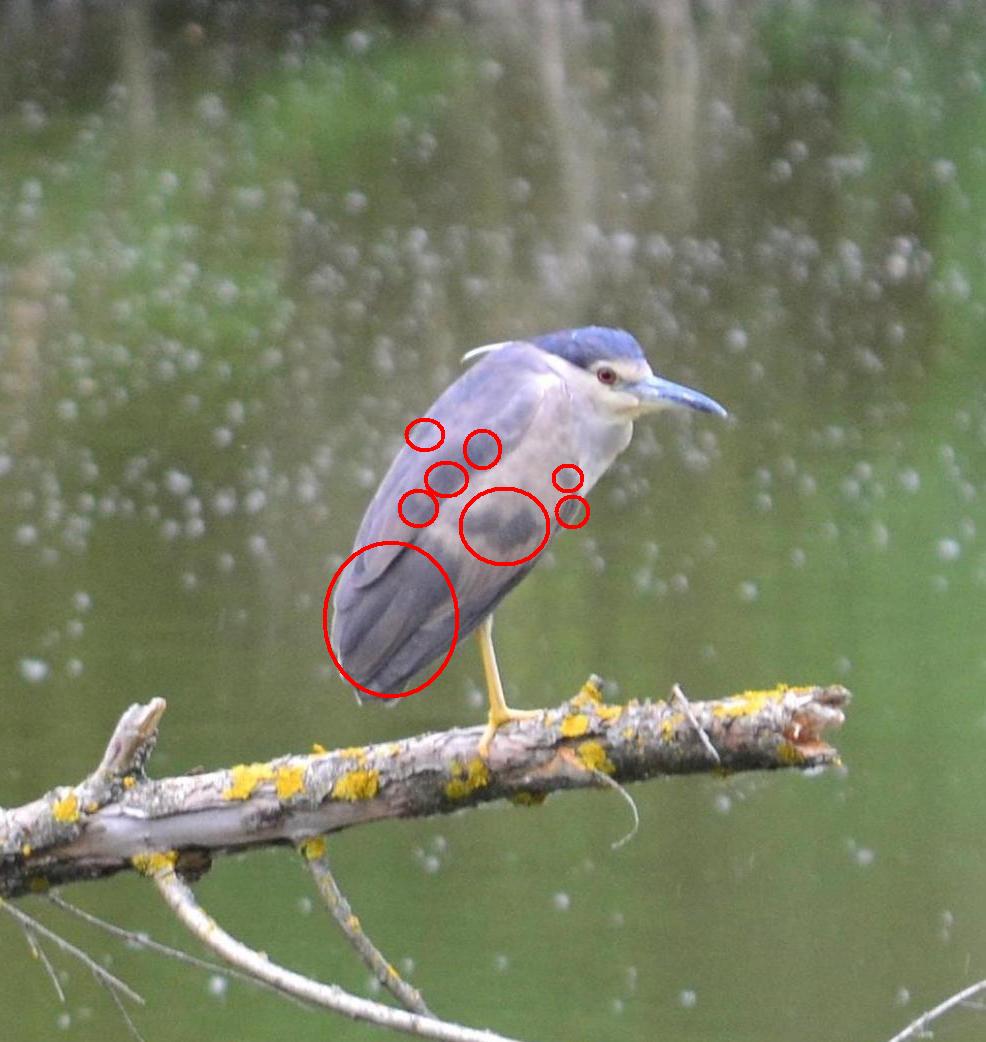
314 852
127 1019
39 953
180 899
613 784
104 976
142 940
678 699
917 1028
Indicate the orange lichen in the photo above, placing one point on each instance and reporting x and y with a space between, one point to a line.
357 785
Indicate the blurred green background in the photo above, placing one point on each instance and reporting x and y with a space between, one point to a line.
242 244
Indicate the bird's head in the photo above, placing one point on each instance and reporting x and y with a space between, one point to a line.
609 366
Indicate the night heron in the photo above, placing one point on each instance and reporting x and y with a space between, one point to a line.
498 464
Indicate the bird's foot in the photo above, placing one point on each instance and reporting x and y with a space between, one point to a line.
496 720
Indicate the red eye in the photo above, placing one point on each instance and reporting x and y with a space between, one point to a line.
605 375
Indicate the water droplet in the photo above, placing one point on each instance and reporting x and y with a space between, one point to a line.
34 670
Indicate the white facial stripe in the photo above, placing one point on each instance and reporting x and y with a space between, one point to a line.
628 370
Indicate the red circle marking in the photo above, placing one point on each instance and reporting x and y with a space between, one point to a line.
325 618
427 448
418 492
576 499
448 463
496 458
567 488
505 488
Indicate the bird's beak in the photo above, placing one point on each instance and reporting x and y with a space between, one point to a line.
654 393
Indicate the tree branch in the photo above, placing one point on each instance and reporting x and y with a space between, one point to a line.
314 852
919 1028
180 899
117 816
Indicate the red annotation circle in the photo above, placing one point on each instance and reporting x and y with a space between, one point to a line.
584 503
418 492
424 448
496 458
448 463
567 488
325 618
505 488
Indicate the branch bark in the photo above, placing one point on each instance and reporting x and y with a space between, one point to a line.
117 817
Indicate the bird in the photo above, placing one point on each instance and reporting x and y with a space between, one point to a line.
481 486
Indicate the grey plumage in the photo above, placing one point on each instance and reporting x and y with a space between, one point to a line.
393 613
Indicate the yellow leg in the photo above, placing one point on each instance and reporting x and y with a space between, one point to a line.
500 712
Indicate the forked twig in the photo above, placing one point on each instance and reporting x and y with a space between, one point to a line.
103 976
314 853
180 899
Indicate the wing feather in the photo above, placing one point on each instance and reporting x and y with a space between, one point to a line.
392 609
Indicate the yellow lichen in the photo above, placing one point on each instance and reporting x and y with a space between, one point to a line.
749 703
528 799
588 695
670 725
608 713
594 758
317 749
245 777
353 924
575 725
357 785
129 782
314 848
289 780
788 753
66 809
26 850
466 778
153 864
354 752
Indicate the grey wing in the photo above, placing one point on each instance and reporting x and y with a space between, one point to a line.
393 612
